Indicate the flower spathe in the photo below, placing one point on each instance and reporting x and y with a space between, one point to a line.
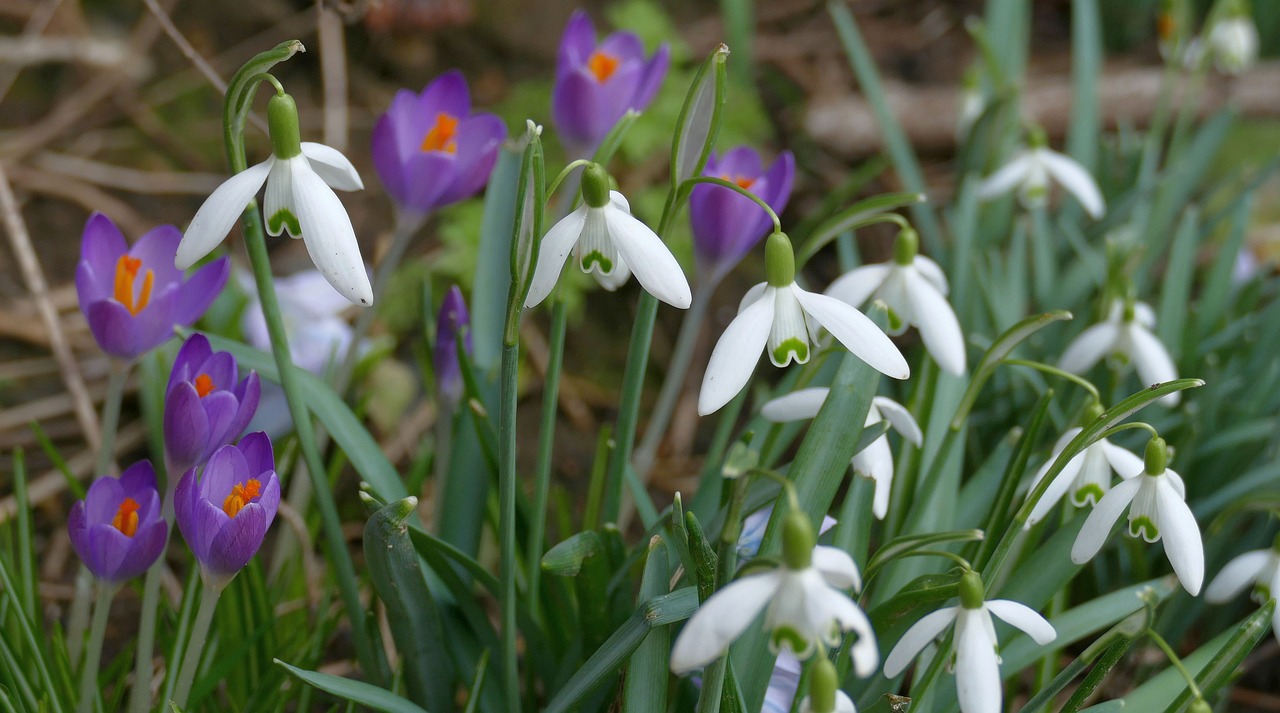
610 244
977 664
1087 476
876 460
431 150
133 296
596 83
205 407
225 513
452 322
1126 334
118 530
1030 171
727 225
1259 568
300 178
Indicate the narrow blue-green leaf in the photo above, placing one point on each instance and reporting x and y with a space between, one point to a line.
996 353
493 269
852 218
1175 287
22 521
1222 667
900 546
355 691
34 654
1220 283
566 558
1086 64
645 689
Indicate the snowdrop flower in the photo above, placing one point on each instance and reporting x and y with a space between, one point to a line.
1030 171
754 525
805 607
610 244
876 460
300 178
977 665
825 695
1087 476
915 290
1261 568
1233 40
1157 509
774 317
1126 334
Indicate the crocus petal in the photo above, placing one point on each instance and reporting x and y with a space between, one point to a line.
721 619
796 405
552 252
332 167
900 418
1181 537
102 243
1152 361
138 478
1097 527
735 355
651 78
1123 462
1237 576
837 567
186 427
856 286
156 249
1024 618
112 327
1005 179
220 211
148 543
939 328
649 258
1086 349
916 638
977 666
196 294
108 549
238 541
329 237
856 332
1075 179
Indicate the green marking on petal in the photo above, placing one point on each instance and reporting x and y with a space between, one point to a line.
785 635
897 325
1142 526
791 347
1087 495
596 258
284 219
1261 592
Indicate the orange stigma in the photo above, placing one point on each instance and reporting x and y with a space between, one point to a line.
602 65
442 136
203 385
126 519
743 182
126 275
240 496
1166 26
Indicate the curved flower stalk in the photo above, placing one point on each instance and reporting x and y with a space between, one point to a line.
727 225
610 244
596 83
431 150
774 317
1087 476
915 290
1157 510
204 405
133 296
876 460
805 607
1126 334
300 178
1259 568
1029 172
977 664
118 530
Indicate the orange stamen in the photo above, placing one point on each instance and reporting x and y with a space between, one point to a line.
442 135
126 519
1165 26
743 182
203 385
126 275
602 65
240 496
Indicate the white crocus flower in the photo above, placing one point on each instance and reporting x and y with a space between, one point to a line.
300 178
608 242
1157 510
1260 568
1030 171
774 317
805 607
977 663
914 288
1233 43
1126 333
876 460
1087 476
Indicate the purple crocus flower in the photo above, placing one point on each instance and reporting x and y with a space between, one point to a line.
453 319
133 297
117 529
727 225
431 150
225 514
597 83
204 406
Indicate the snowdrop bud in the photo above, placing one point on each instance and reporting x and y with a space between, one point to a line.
1199 706
282 120
1091 413
1036 137
972 593
823 684
798 540
595 186
779 260
906 246
1157 456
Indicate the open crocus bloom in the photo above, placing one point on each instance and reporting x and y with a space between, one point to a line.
1125 334
727 225
1259 568
1087 476
118 529
205 407
1030 171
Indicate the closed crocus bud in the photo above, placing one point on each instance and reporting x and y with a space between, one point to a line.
205 407
431 150
133 296
726 225
596 83
224 515
117 529
452 321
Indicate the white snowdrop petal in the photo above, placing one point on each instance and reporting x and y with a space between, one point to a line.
1059 487
552 252
795 406
219 212
721 619
1236 577
1181 535
735 355
1125 463
856 286
1092 344
1152 361
277 201
1072 176
939 328
932 272
837 567
649 258
1006 178
916 638
332 167
1024 618
900 418
329 237
876 462
977 666
1175 481
856 332
1143 314
1097 527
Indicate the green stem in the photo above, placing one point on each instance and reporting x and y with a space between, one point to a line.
507 521
546 442
1176 661
118 374
717 181
1055 371
78 620
140 694
209 594
93 654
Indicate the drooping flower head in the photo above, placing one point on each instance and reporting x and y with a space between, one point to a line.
1260 568
1030 170
205 407
726 225
118 529
452 321
300 178
596 83
431 150
225 513
1233 38
133 296
1125 335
